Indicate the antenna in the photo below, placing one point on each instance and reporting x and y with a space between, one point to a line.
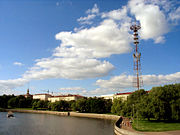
137 79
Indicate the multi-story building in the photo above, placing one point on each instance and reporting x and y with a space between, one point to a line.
110 96
42 96
64 97
122 95
117 95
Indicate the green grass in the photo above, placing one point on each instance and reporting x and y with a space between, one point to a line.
145 125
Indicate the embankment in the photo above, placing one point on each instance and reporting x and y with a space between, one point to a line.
117 125
74 114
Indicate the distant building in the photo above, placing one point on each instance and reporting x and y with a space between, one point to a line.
117 95
122 95
64 97
42 96
110 96
27 94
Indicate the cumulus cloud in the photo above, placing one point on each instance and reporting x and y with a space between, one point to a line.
153 20
125 81
72 88
12 83
86 20
175 15
79 54
68 68
10 92
118 14
94 10
91 14
18 64
96 42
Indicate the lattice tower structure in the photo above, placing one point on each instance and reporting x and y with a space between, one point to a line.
137 78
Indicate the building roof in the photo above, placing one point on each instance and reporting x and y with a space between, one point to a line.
41 94
69 95
126 93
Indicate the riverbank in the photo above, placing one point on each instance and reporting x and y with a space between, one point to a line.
74 114
97 116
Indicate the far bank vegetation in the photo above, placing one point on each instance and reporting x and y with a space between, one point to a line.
161 103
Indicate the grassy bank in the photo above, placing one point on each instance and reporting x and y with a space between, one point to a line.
145 125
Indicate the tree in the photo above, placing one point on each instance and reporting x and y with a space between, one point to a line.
165 103
117 107
12 103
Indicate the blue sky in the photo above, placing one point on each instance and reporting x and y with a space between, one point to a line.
85 47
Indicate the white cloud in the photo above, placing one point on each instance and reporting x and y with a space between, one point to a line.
12 83
119 14
10 92
125 81
92 13
103 91
86 20
68 68
175 15
94 10
18 64
160 39
153 20
73 89
78 55
96 42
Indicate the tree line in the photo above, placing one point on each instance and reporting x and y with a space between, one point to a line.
85 105
160 103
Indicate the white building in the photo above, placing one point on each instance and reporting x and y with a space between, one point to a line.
110 96
117 95
64 97
122 95
41 96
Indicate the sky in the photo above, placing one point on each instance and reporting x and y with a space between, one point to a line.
85 47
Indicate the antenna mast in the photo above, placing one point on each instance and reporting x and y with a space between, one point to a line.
137 79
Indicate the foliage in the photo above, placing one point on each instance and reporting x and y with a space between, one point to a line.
93 105
161 103
60 106
40 104
19 102
118 106
4 100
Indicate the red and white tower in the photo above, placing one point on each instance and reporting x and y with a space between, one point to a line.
137 79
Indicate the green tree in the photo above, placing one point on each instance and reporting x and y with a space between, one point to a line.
118 106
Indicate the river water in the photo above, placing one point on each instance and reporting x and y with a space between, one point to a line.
45 124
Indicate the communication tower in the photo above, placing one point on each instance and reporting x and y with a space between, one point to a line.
137 79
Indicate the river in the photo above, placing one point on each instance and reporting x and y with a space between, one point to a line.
46 124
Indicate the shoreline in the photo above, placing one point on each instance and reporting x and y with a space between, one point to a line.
73 114
115 118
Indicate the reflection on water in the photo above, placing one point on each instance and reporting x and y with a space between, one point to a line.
44 124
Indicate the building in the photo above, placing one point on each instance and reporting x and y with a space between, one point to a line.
68 97
42 96
117 95
110 96
122 95
27 95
